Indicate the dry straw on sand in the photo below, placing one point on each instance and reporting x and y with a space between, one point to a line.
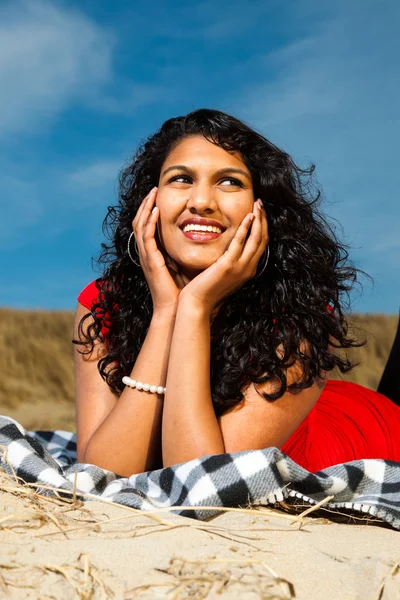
49 520
65 512
55 545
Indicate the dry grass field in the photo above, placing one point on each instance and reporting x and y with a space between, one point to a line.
36 368
36 363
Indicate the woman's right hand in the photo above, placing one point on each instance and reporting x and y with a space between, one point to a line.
162 273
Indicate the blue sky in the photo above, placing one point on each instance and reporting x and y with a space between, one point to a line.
83 82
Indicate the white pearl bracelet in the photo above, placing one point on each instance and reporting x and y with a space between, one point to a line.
146 387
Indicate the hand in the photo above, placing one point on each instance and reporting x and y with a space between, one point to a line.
237 265
162 273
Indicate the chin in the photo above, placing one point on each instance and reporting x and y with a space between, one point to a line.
195 266
198 262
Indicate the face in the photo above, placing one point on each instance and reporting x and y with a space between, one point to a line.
200 181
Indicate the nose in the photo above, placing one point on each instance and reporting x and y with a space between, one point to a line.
202 199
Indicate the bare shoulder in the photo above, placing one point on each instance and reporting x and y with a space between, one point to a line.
259 423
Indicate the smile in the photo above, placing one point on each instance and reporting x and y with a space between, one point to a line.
201 235
195 227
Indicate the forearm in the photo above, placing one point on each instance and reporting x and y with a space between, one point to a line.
189 426
129 439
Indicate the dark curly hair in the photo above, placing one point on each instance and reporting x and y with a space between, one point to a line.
260 330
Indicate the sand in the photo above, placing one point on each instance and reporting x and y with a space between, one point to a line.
64 549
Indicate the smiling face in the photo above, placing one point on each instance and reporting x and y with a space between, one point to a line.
201 181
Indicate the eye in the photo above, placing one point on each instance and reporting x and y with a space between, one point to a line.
176 177
236 182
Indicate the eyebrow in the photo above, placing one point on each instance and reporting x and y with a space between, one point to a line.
219 172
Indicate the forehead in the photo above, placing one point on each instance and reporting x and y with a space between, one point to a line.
197 151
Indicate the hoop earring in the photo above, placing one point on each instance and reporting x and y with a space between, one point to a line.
136 249
265 264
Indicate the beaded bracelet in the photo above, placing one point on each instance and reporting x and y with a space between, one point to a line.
146 387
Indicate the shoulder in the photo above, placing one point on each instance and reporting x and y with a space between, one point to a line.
90 294
88 297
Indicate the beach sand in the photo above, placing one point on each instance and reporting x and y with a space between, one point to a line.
64 549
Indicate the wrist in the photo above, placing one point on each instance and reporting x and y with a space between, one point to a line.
164 314
193 308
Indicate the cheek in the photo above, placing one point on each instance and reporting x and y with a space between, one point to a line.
171 199
240 215
167 222
237 206
236 217
167 226
170 205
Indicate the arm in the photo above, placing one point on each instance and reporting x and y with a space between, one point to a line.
123 434
257 423
190 427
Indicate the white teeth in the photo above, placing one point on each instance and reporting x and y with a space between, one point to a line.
193 227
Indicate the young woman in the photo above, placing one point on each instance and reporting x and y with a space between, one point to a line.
223 291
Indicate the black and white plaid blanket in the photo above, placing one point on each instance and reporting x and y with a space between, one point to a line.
257 477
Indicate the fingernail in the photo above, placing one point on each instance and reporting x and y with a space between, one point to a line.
154 210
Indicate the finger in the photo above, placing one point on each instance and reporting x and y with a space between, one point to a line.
139 211
141 208
236 246
265 231
138 214
264 228
254 243
143 219
148 235
253 263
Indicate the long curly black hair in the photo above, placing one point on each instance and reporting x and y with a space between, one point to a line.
260 330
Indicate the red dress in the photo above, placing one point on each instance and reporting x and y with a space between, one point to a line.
348 422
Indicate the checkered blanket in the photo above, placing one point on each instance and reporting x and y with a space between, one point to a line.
257 477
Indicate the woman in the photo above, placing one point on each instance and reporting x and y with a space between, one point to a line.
230 308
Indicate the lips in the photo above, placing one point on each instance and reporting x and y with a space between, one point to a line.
201 236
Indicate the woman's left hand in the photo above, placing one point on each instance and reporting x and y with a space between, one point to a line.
237 265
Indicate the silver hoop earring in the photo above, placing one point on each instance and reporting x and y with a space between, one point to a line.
129 250
265 264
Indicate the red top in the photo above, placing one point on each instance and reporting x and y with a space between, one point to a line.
348 422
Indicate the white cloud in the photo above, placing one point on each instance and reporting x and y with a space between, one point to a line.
330 96
343 71
332 99
95 175
53 57
50 56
